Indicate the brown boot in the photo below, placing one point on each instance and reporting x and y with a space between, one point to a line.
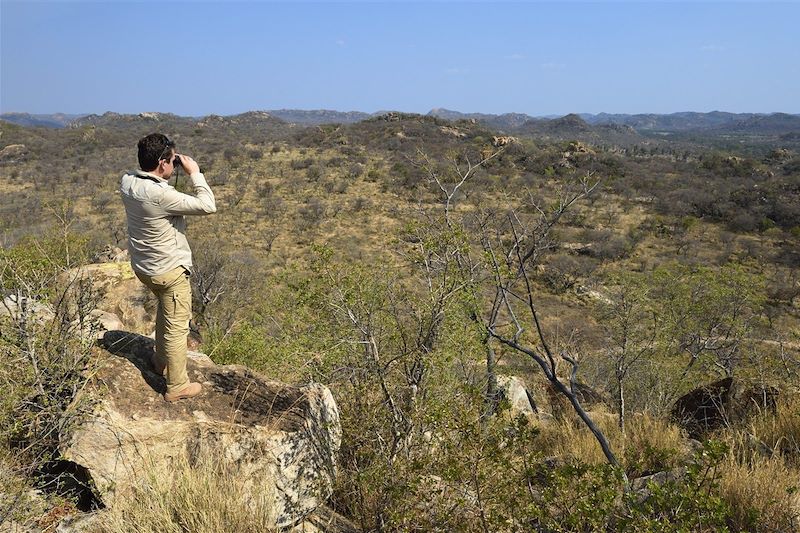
189 391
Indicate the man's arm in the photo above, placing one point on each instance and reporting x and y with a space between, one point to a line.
202 203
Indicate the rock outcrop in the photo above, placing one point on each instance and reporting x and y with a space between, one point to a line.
21 309
285 434
13 153
717 404
118 292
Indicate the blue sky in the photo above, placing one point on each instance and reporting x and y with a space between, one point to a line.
196 58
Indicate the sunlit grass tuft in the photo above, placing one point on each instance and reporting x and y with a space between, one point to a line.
649 445
763 493
205 497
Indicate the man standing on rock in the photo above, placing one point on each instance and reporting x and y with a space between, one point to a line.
160 254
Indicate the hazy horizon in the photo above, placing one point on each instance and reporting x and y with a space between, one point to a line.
548 115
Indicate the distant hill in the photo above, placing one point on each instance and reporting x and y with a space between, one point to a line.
250 118
673 122
714 122
568 124
319 116
573 126
117 120
54 120
504 122
776 123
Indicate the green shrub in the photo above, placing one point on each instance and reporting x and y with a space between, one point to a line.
688 504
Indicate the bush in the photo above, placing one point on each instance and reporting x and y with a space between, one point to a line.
46 343
311 214
691 503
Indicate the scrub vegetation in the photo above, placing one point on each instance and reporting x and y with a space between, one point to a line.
411 263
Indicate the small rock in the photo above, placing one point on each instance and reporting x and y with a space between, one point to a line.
516 393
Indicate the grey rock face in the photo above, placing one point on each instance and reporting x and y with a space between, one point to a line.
286 434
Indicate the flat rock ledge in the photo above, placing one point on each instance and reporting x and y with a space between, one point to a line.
287 435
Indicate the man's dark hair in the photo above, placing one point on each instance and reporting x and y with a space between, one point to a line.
153 148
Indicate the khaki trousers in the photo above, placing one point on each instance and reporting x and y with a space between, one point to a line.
174 293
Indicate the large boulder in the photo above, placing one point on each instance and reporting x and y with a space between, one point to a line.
559 405
719 403
13 153
286 434
22 309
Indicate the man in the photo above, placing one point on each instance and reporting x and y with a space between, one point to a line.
160 254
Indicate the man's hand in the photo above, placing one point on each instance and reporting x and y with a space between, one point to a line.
189 165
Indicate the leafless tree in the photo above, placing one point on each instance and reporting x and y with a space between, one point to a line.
631 328
515 247
514 251
449 266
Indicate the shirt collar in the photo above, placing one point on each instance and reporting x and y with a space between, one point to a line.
150 174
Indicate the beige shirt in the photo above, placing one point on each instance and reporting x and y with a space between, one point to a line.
156 223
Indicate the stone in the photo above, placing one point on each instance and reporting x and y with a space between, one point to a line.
111 254
21 308
498 141
455 132
287 434
80 522
516 394
560 406
119 293
104 321
589 396
13 153
719 403
641 485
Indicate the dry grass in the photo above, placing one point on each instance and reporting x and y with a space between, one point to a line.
649 444
762 493
781 430
202 498
761 476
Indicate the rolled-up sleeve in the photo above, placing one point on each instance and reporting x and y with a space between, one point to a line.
202 203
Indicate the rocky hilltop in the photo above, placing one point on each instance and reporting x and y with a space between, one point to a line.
282 439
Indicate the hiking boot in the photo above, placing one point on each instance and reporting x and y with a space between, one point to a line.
189 391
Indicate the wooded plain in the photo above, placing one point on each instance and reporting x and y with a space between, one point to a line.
412 263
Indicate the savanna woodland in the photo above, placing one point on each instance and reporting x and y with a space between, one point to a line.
420 268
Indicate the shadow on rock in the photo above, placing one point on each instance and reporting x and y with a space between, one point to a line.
137 349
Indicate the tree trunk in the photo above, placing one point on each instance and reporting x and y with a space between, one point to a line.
621 405
492 394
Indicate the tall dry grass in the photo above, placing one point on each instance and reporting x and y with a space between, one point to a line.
781 429
206 497
649 444
760 479
763 493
